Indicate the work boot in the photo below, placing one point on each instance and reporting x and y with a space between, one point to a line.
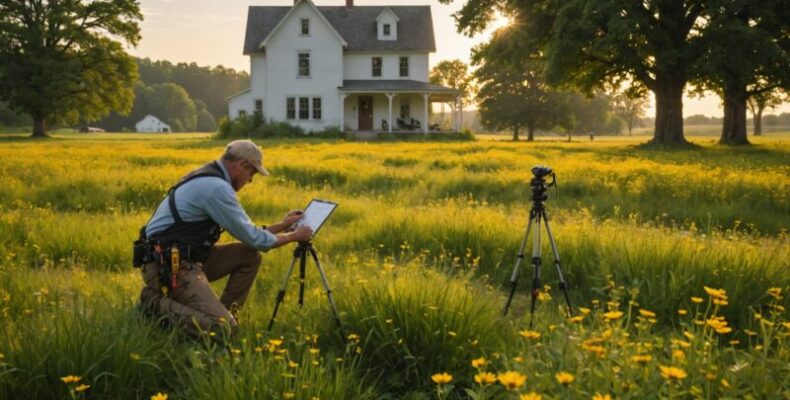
235 310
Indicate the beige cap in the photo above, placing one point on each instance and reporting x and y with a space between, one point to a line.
246 150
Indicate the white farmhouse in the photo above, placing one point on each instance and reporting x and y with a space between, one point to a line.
151 124
359 68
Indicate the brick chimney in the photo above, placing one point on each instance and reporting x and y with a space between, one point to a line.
349 3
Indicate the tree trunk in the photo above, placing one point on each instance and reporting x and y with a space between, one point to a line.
758 121
669 111
530 133
39 128
515 133
734 129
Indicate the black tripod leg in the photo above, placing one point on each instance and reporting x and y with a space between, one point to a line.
281 293
536 262
302 267
519 259
328 290
563 284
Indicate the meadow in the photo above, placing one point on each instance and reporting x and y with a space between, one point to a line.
677 262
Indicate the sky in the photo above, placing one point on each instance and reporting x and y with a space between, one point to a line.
211 32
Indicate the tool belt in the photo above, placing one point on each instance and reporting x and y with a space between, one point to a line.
167 259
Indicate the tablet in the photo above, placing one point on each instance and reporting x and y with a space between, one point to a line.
316 213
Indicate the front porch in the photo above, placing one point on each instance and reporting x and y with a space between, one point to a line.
394 106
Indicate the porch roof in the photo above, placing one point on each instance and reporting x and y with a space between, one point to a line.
394 86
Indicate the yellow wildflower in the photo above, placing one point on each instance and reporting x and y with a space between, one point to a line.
479 362
681 343
595 349
518 359
786 325
292 364
530 396
642 358
672 373
647 313
678 354
289 395
442 378
314 351
682 312
530 334
275 342
776 292
601 397
613 315
697 300
159 396
720 302
71 379
512 379
716 293
485 378
725 383
584 310
353 337
82 388
564 378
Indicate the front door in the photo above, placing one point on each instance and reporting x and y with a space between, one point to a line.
366 113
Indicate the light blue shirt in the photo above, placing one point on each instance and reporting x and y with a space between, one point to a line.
212 197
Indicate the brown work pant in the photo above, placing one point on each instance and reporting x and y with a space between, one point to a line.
193 304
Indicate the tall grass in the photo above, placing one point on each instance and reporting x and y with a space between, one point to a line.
419 255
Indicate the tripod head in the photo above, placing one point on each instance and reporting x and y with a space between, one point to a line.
539 184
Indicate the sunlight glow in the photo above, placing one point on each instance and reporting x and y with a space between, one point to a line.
499 21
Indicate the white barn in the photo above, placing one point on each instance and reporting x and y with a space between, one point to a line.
359 68
151 124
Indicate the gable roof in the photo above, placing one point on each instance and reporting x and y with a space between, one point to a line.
268 37
356 25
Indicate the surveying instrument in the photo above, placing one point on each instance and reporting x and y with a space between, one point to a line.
315 214
536 214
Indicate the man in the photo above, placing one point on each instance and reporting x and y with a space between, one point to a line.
188 222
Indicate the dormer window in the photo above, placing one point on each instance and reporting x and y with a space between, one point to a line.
387 25
305 27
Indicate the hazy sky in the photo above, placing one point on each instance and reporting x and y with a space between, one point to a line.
211 32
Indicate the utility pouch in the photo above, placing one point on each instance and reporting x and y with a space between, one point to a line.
138 253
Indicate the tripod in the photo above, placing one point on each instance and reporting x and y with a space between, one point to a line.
300 253
536 214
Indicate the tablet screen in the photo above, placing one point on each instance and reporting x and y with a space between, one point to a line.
316 213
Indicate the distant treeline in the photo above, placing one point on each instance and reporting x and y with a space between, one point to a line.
187 97
782 119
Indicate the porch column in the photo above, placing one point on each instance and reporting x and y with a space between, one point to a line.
425 97
343 111
460 113
389 120
455 114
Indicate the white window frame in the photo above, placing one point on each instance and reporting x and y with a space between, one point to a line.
373 67
320 108
306 109
299 67
287 99
302 27
386 30
400 66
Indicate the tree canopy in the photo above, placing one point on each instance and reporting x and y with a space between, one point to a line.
653 45
62 62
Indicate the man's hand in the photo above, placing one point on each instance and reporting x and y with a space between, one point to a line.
301 234
291 218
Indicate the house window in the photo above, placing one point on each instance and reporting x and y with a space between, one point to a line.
376 66
242 113
316 108
305 27
304 64
304 108
404 108
404 66
386 29
259 106
290 108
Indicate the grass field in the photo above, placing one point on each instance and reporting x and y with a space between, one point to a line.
677 262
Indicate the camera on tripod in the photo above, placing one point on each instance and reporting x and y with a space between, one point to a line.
538 183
